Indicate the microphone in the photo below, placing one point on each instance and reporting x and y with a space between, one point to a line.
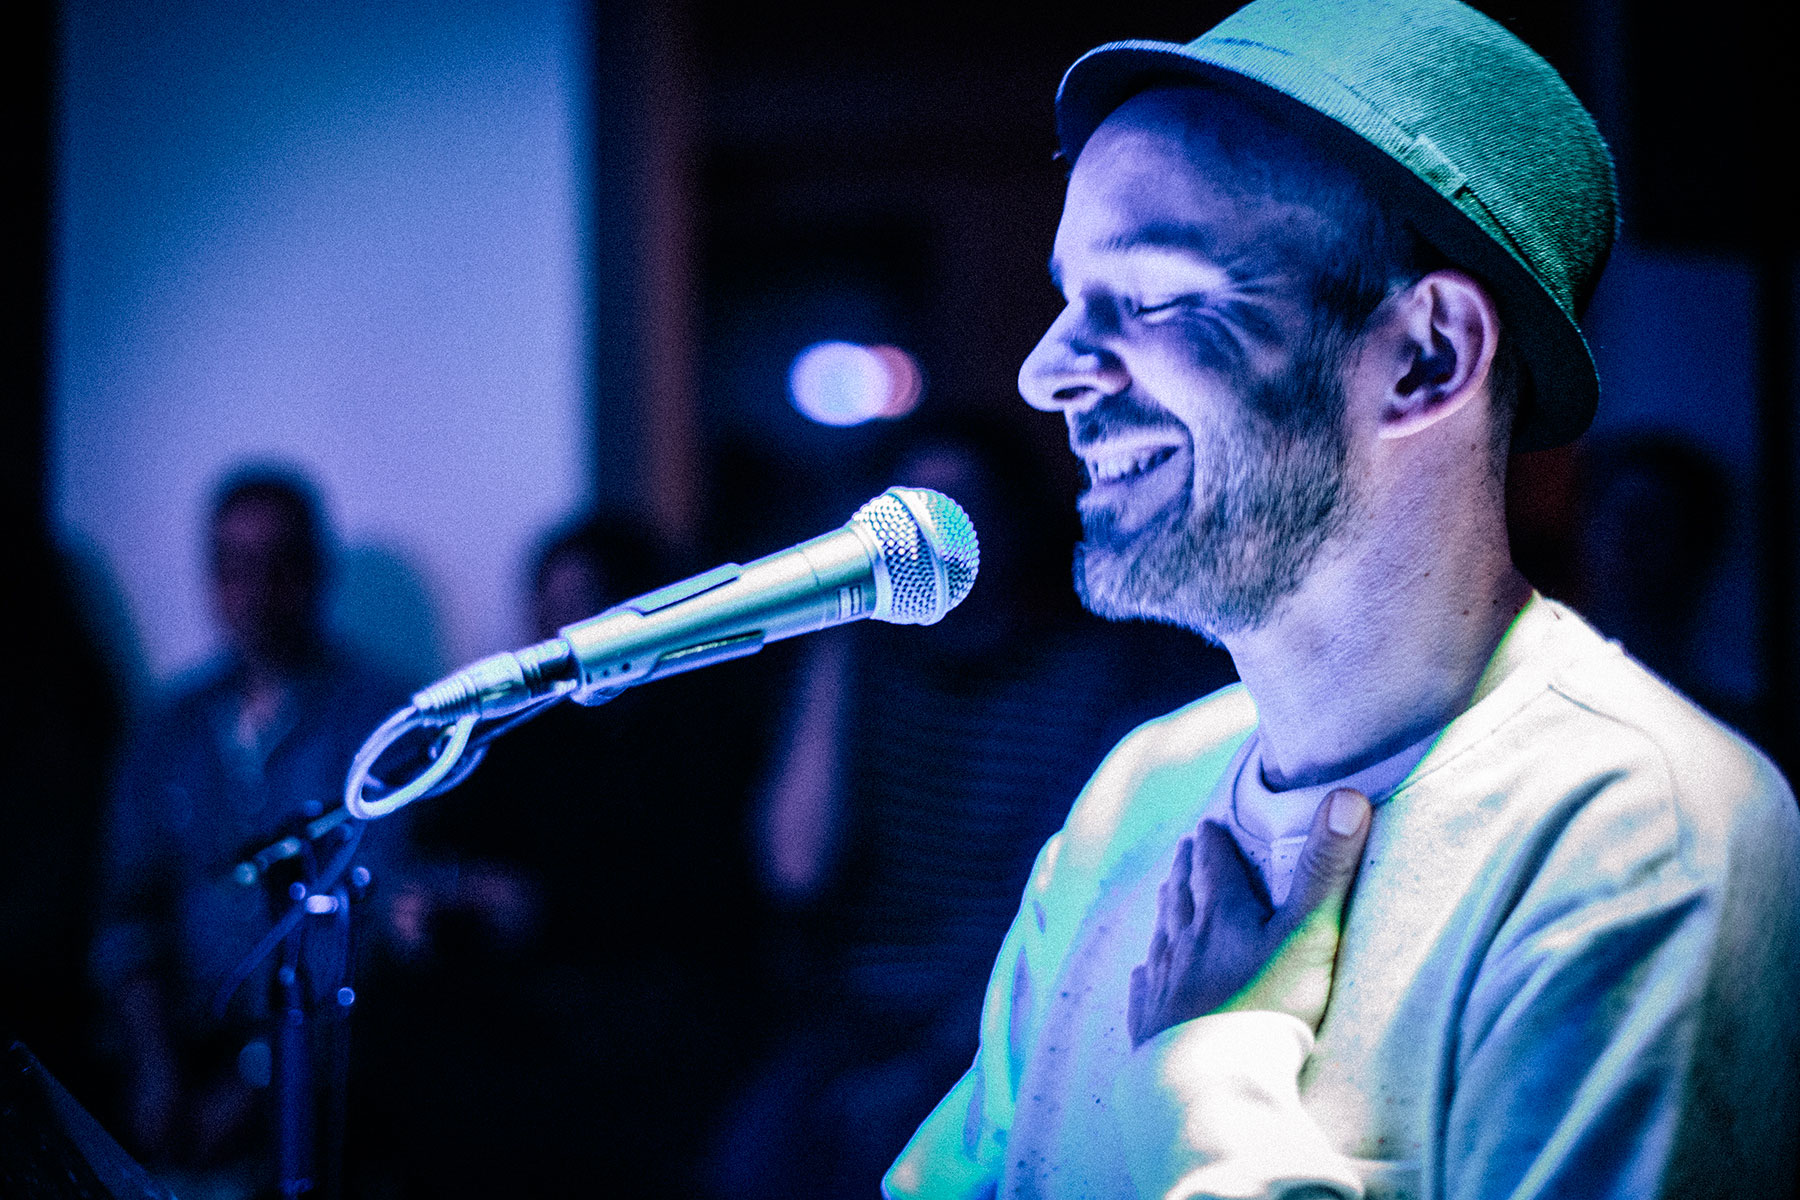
907 557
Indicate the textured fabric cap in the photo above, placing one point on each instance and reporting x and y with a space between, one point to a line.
1446 115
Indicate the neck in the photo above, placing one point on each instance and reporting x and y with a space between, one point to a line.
274 664
1382 645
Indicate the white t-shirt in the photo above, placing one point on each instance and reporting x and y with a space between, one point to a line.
1271 827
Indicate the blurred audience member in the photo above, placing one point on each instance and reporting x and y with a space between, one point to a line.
575 1006
586 567
1543 513
920 773
1656 515
237 755
61 721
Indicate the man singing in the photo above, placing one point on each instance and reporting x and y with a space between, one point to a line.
1321 270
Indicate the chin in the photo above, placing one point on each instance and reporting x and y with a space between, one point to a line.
1107 587
1206 576
1147 575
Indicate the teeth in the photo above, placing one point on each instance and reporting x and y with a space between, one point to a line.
1115 467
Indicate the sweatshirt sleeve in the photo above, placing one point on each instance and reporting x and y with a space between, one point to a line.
1211 1108
1630 1034
959 1152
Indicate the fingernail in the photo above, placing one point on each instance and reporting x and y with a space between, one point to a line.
1346 811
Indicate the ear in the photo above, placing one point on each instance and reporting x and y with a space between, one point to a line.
1445 328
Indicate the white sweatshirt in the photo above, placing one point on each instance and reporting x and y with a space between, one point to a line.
1568 969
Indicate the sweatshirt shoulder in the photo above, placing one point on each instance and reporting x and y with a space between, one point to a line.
1723 791
1222 718
1164 767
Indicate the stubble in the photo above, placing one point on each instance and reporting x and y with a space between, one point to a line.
1269 491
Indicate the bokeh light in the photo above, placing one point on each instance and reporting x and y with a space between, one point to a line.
845 383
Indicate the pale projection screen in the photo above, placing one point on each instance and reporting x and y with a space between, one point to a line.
345 237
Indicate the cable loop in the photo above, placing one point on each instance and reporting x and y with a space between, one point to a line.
446 753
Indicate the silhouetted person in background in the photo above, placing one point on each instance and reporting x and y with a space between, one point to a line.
1631 528
1655 521
576 1000
590 565
919 773
61 722
240 752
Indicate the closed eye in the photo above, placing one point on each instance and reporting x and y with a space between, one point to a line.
1169 307
1210 332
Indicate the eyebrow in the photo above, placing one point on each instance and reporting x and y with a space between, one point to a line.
1165 235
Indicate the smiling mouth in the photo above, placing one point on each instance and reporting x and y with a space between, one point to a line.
1126 464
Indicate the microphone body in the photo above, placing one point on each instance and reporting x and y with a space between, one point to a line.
728 612
908 556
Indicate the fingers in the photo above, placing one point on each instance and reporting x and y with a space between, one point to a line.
1150 982
1135 1014
1176 894
1223 875
1149 989
1333 851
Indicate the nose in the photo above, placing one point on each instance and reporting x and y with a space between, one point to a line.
1070 368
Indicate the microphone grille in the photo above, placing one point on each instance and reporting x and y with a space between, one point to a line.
928 549
948 526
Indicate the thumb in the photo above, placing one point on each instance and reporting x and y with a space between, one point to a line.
1329 860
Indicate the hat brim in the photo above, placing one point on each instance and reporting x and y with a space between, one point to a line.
1559 388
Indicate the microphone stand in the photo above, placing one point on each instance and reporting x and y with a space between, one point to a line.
315 940
314 992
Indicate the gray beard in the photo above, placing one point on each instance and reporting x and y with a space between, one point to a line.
1222 561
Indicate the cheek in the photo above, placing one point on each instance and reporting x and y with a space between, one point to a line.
1207 402
1201 354
1208 347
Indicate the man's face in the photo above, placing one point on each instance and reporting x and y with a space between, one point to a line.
1188 367
265 580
